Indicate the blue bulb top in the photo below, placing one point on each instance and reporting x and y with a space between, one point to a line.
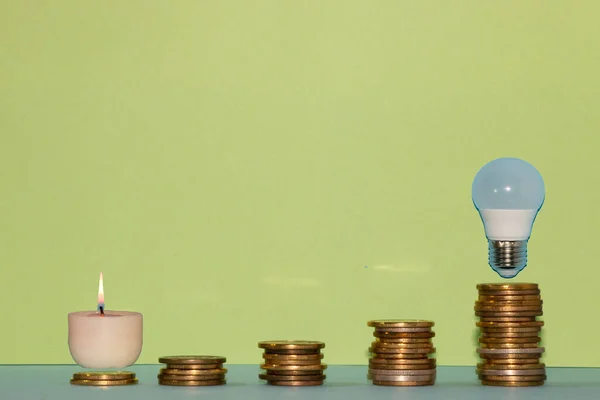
508 184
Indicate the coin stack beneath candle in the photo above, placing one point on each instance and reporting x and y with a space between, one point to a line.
118 378
510 335
192 371
401 353
292 362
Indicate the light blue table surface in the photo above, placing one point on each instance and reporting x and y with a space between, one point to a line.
35 382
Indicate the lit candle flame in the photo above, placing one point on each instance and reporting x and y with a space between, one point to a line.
101 294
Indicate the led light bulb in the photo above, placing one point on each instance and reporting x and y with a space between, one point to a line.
508 193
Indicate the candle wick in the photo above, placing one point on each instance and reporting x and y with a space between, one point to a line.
101 310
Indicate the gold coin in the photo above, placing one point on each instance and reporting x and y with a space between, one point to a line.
485 366
170 382
537 350
294 373
527 324
406 356
374 372
195 372
505 362
511 330
509 314
495 356
292 362
501 305
507 286
511 309
505 303
403 378
405 335
514 378
296 383
502 287
194 366
392 383
291 345
212 377
404 340
192 360
511 384
313 367
104 375
497 293
400 323
397 367
511 372
508 319
504 340
401 345
508 345
402 350
509 335
269 377
402 361
298 352
292 357
525 297
98 382
403 330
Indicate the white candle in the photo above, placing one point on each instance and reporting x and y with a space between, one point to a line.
105 339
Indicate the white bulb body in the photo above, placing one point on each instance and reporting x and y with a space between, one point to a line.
508 225
508 193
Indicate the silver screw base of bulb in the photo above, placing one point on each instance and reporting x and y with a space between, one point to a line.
507 257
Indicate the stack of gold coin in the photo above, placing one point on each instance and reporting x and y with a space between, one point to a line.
118 378
292 362
192 371
510 335
401 353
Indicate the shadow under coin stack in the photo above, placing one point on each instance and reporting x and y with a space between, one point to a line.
401 353
292 362
510 335
118 378
192 371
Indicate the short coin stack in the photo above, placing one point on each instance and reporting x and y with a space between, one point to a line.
510 335
192 371
401 353
292 362
118 378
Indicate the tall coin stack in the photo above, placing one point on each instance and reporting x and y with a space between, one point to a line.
401 353
192 371
292 362
510 335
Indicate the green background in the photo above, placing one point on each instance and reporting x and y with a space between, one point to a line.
244 171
